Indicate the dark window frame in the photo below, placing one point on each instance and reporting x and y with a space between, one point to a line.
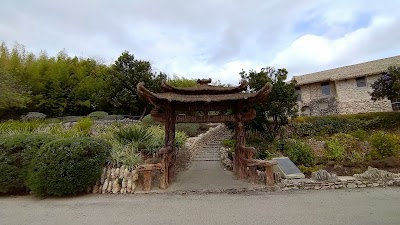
326 89
297 91
361 82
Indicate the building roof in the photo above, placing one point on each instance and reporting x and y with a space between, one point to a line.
205 100
202 89
347 72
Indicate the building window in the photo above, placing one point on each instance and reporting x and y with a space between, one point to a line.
325 88
297 92
305 111
323 105
396 105
361 82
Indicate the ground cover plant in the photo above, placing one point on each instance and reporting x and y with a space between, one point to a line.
128 144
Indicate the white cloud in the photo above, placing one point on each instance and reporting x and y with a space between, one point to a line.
212 38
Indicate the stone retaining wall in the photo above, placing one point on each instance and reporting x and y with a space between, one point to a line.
116 180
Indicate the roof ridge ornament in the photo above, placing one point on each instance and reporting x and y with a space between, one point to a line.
204 81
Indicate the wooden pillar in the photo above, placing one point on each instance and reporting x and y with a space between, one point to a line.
167 169
269 175
240 168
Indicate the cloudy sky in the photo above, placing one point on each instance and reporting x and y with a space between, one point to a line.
209 38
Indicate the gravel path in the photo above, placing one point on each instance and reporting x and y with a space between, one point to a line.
357 206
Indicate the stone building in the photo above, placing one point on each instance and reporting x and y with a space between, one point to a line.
343 90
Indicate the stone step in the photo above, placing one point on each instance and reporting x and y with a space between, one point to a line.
206 159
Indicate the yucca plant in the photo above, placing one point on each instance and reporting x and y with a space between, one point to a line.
133 134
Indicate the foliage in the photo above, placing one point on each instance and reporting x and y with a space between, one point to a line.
97 115
299 152
387 86
190 129
114 117
16 152
181 82
308 170
229 143
361 135
125 155
126 73
281 103
61 85
11 127
385 144
344 147
148 121
82 127
67 166
13 95
33 116
332 124
133 134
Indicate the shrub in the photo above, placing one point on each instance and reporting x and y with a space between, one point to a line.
133 133
67 166
385 144
361 135
229 143
344 146
328 125
190 129
82 127
97 115
148 121
125 155
298 152
16 152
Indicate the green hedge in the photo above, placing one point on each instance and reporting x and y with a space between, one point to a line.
67 166
299 152
16 152
97 115
328 125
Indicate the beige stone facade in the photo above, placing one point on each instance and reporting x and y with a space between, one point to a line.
326 92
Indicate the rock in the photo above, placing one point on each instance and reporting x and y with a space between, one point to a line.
135 175
390 183
105 186
95 189
108 173
113 175
124 182
109 188
88 190
116 187
351 185
103 175
121 172
129 185
374 173
285 189
126 173
362 186
375 185
116 172
133 187
323 175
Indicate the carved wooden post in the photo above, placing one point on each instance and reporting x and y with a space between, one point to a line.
269 174
167 169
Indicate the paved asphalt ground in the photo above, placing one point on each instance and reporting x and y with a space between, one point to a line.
356 206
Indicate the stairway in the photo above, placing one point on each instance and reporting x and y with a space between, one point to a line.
210 151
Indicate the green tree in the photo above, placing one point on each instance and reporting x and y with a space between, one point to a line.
387 86
12 94
125 74
281 104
